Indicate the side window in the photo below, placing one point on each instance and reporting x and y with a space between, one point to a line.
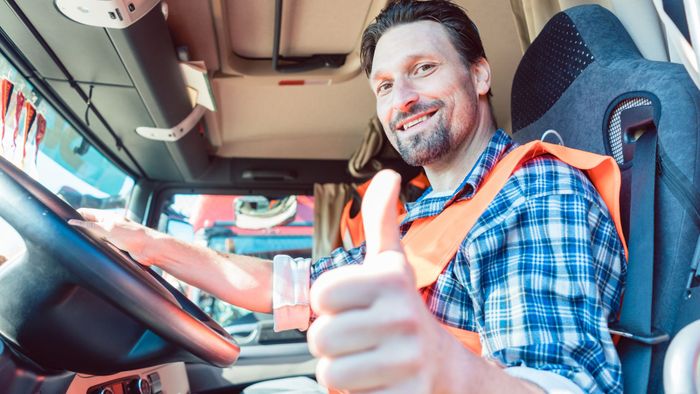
256 226
38 140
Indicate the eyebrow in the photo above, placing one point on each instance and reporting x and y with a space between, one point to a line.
379 73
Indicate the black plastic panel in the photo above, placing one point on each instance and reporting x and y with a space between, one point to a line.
148 54
226 176
123 109
19 376
85 50
23 38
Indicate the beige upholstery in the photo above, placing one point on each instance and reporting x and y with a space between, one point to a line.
329 200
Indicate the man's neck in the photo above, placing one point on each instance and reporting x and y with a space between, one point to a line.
449 173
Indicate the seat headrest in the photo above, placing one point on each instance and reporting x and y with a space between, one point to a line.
562 51
582 70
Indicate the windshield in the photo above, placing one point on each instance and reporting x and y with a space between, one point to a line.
37 139
257 226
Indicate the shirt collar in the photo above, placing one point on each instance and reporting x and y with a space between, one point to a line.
498 145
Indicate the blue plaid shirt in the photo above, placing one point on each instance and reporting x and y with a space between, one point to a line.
539 276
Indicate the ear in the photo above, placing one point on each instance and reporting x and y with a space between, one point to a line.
481 76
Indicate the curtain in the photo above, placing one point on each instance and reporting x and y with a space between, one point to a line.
364 163
329 200
531 16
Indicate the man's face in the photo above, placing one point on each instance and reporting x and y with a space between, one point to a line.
426 99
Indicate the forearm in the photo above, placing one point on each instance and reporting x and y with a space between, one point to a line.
461 371
239 280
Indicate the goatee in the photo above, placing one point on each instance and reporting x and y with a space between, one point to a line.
425 148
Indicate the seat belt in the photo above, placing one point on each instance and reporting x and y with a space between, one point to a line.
635 346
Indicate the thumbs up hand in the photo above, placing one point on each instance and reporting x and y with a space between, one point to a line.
373 331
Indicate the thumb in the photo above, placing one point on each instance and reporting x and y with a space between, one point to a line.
379 215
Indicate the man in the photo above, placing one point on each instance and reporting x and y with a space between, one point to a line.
538 276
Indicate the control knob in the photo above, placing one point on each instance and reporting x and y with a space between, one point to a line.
139 386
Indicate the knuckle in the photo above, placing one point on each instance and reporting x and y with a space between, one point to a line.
141 232
409 359
399 315
329 372
404 279
95 227
321 368
85 224
317 292
405 320
318 296
318 337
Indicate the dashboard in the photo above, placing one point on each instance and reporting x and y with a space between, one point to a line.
168 378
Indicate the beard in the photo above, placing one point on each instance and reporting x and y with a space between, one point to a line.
424 148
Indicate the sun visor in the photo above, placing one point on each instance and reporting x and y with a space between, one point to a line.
292 39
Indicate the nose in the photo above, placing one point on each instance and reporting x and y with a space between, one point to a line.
404 96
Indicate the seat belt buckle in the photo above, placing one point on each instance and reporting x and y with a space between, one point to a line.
654 338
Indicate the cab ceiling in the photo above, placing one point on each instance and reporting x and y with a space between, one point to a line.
137 82
327 116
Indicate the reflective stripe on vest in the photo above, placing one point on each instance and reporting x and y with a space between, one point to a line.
431 243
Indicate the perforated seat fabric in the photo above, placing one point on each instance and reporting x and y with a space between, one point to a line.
576 77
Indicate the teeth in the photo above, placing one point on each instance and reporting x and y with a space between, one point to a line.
415 122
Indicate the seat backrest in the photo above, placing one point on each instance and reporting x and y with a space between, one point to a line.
577 77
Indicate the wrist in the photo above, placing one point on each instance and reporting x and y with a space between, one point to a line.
451 369
462 368
154 247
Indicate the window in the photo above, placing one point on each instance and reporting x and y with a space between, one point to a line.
251 225
38 140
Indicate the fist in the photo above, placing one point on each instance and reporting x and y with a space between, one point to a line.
373 332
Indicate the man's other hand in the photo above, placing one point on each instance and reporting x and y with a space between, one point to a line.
121 232
373 331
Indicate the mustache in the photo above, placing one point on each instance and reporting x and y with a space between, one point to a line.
415 109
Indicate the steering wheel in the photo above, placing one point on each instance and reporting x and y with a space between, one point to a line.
41 218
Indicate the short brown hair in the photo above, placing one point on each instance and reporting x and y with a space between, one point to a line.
462 31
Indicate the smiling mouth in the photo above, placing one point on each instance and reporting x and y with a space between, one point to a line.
412 122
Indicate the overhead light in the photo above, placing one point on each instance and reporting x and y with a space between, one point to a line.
114 14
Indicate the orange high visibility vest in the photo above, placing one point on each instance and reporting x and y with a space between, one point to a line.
352 231
431 243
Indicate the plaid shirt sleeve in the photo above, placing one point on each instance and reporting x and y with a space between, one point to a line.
338 258
545 279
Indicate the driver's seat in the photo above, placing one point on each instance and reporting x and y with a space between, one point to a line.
584 78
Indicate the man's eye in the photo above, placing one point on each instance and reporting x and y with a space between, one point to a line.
383 88
424 69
